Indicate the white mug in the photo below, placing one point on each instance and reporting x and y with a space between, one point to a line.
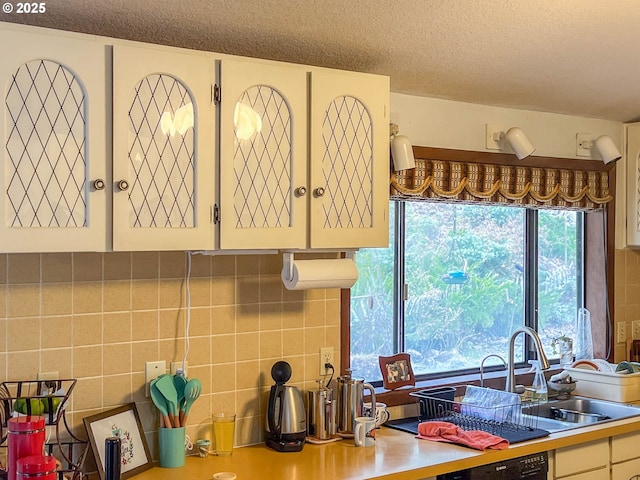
365 432
381 414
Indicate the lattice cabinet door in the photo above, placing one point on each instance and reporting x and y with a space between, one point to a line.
263 155
53 152
349 160
163 149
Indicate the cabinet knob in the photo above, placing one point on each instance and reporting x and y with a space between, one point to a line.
318 192
98 184
123 185
301 191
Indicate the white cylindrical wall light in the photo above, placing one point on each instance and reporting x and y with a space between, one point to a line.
607 149
401 151
519 142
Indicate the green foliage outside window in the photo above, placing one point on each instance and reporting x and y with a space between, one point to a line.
465 272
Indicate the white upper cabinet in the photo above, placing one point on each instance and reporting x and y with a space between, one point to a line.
53 150
163 149
263 155
286 183
112 145
349 160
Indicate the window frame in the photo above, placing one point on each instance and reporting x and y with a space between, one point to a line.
598 268
530 293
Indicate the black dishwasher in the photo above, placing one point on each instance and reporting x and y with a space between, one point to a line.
531 467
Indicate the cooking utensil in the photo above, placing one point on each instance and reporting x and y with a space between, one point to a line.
192 391
179 382
164 384
160 402
574 416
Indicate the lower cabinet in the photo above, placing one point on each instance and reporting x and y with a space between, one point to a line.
600 474
625 457
585 461
614 458
629 470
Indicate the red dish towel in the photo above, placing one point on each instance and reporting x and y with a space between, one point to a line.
448 432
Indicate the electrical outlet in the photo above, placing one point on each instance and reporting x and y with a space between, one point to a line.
151 371
326 356
622 332
175 366
635 330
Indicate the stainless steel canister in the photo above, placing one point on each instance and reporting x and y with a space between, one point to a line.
321 414
351 402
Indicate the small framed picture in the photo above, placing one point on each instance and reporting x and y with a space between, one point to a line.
122 422
396 371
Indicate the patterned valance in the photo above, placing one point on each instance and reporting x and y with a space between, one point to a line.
502 179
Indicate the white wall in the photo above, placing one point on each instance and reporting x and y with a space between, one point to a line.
433 122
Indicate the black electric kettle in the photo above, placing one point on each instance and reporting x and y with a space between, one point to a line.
286 425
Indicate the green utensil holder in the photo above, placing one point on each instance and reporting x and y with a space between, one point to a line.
171 445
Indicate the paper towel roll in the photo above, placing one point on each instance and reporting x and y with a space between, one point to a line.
321 273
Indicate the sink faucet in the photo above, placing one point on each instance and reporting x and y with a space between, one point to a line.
482 365
544 361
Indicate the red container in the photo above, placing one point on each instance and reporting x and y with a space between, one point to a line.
25 437
42 467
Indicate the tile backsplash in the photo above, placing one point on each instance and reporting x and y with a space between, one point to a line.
99 317
626 295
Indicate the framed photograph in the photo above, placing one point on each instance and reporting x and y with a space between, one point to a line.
396 371
122 422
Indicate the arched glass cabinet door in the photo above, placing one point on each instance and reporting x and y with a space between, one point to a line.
53 145
349 160
263 185
161 155
163 150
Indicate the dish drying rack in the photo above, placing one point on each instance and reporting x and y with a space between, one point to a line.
471 411
66 447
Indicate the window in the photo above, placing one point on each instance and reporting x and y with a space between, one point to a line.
458 278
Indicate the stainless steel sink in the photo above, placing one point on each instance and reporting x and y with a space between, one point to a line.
576 412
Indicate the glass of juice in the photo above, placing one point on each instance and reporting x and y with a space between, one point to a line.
223 432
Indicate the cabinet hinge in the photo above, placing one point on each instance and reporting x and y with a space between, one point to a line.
215 214
215 94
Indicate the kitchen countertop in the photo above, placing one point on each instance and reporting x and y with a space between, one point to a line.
396 456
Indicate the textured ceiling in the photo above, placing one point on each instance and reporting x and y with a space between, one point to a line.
578 57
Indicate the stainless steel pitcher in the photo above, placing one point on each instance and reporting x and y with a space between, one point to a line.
321 415
351 401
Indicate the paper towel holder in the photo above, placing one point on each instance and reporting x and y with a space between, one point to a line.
288 261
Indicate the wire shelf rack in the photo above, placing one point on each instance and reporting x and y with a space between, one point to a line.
48 398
